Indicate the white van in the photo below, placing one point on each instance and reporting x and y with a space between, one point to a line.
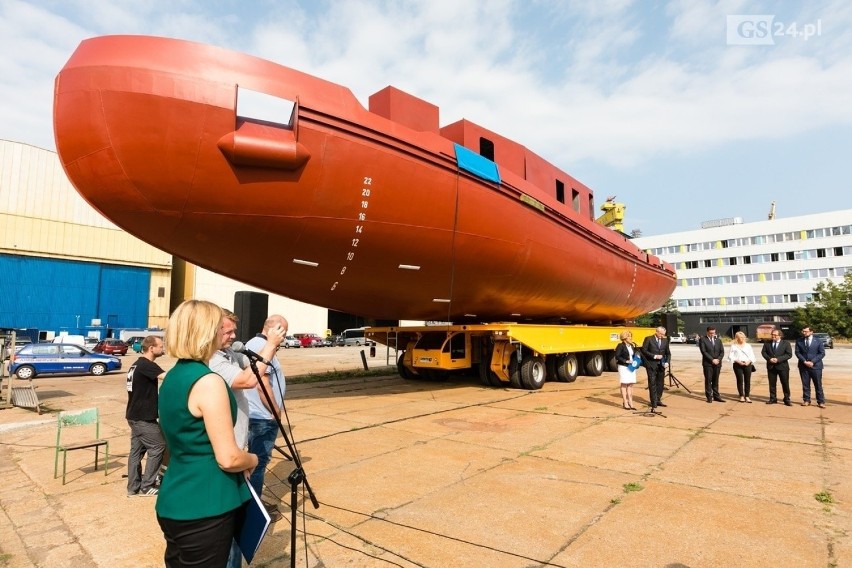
354 336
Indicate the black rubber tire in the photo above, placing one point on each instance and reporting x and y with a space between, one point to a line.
567 368
98 369
593 364
533 372
515 372
611 363
404 371
550 367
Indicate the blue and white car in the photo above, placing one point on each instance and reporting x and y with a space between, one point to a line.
49 358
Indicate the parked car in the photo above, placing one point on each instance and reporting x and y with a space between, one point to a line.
693 338
47 358
309 339
291 341
111 347
827 340
90 342
677 338
327 342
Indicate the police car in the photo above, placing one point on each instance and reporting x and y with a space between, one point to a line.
48 358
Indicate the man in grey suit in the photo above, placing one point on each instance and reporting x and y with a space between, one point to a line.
777 353
810 352
712 352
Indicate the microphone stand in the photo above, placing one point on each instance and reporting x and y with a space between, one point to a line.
297 476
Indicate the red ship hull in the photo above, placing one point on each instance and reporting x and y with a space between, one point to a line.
335 206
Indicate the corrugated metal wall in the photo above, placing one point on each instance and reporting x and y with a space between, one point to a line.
65 295
44 227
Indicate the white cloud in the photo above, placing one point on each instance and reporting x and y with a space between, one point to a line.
615 82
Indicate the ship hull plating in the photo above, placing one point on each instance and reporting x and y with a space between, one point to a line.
334 205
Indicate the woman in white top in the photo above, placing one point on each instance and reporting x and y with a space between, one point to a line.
624 352
742 355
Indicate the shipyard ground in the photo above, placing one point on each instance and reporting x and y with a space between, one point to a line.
454 474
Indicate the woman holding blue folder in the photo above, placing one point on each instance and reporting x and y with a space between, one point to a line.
203 495
628 359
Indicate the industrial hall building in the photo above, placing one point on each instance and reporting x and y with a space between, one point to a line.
64 268
737 276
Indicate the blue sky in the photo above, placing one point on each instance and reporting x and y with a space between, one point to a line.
657 103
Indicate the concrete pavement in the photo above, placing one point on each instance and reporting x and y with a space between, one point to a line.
420 474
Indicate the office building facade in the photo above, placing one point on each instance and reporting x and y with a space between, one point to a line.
737 276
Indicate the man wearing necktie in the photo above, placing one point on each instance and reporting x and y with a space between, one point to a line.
712 352
810 352
777 353
656 355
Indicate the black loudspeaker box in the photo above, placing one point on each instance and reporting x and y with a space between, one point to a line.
251 309
669 321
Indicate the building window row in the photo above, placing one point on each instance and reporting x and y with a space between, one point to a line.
742 318
755 240
760 300
809 254
836 272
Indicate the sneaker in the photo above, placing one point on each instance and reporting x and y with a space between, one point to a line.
150 493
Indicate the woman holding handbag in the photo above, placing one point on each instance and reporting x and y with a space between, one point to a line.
628 359
742 356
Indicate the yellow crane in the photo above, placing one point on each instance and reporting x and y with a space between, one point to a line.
613 216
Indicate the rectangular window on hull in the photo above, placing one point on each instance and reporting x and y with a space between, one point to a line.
560 191
486 148
261 107
575 200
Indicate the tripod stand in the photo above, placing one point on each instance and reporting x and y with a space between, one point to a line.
297 476
673 381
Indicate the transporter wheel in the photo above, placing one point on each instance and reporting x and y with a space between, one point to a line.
550 368
593 364
611 363
485 365
567 368
533 372
486 376
515 372
404 371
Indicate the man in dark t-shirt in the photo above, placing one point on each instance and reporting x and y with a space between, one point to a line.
145 435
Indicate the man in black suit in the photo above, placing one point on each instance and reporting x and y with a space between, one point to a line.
810 352
777 353
656 355
712 352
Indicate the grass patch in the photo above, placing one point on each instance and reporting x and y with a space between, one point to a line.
540 409
632 486
341 375
615 501
824 497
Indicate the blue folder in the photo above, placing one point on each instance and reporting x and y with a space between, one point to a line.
254 527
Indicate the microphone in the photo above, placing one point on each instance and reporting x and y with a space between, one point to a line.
240 348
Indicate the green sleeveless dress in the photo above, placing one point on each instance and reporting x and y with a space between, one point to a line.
193 487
